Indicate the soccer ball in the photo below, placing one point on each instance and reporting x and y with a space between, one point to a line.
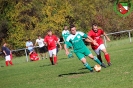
97 68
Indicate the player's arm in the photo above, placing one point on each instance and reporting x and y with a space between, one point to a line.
59 44
45 41
27 45
35 43
87 40
66 45
64 39
66 49
4 52
106 36
31 44
93 41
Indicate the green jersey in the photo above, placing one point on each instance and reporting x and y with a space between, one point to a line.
77 41
65 34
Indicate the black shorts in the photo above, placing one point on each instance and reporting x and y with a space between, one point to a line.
43 49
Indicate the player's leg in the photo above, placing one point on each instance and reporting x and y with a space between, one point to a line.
45 51
6 60
55 55
45 54
87 52
98 52
106 54
51 56
87 65
41 52
100 58
95 59
83 60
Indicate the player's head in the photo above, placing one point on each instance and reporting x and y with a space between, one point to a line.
39 37
4 44
65 27
94 27
29 39
49 32
73 29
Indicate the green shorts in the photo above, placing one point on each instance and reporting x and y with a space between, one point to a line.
82 53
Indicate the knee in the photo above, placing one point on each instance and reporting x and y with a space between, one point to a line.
91 57
83 60
105 53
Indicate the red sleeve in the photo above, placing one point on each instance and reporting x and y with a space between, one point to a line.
102 31
55 37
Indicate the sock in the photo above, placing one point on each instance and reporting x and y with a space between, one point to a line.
6 63
10 62
51 59
99 57
88 66
97 60
70 55
71 51
107 57
55 59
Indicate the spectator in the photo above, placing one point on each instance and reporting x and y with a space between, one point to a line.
29 45
42 47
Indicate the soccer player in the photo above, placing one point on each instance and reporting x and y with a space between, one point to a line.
51 41
65 34
95 33
80 49
42 46
7 54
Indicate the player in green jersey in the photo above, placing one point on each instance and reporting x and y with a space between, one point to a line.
80 49
65 34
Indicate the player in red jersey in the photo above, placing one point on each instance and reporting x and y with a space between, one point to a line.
95 34
51 41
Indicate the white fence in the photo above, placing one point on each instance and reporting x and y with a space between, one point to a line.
120 32
127 31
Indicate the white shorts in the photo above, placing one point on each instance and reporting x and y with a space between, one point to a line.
7 58
101 47
52 52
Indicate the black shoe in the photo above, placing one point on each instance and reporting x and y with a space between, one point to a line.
109 64
103 65
91 71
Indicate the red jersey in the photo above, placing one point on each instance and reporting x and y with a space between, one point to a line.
97 37
51 41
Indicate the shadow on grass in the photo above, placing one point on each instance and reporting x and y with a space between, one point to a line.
85 68
63 58
73 73
2 66
45 65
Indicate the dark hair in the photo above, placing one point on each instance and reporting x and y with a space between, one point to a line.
49 30
71 26
94 24
65 25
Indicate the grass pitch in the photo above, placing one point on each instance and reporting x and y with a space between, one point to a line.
70 73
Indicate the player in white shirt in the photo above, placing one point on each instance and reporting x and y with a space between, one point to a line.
42 47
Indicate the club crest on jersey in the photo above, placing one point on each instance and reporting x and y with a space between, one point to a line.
123 8
78 36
